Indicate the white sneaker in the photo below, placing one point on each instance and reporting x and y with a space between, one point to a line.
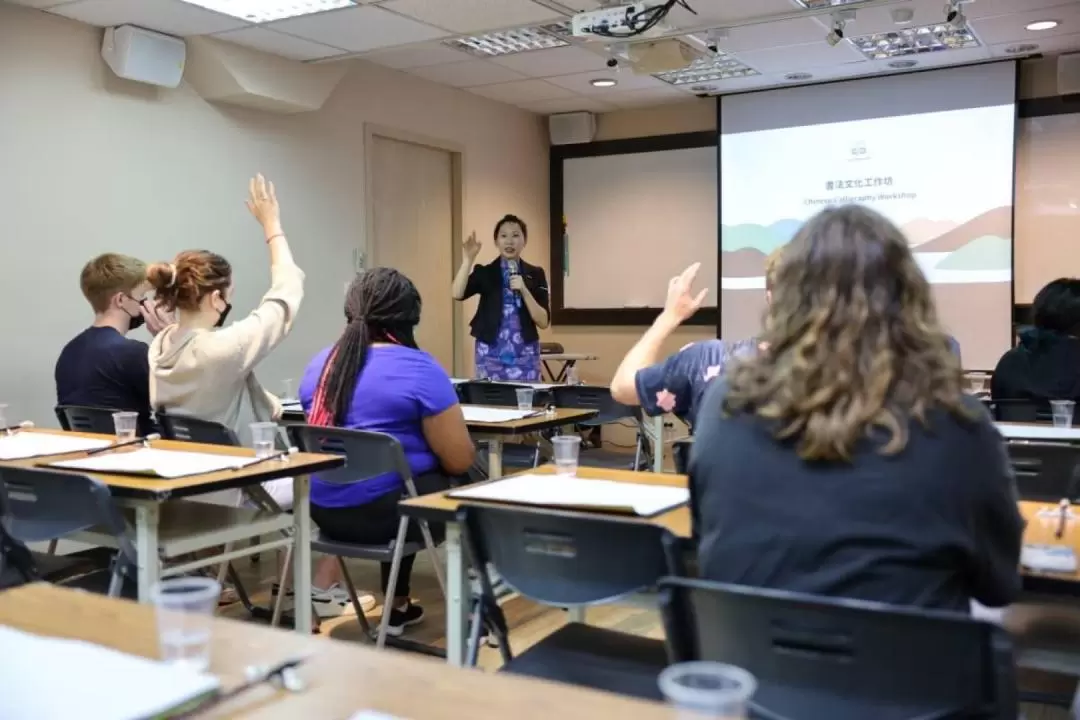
333 601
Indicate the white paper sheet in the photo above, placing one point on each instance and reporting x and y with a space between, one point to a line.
479 414
150 461
37 444
578 493
43 677
1032 431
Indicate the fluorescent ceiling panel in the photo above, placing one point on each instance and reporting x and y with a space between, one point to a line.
264 11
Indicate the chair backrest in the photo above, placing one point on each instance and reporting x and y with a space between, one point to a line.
491 393
1046 472
592 397
189 429
680 453
39 505
551 347
367 454
565 558
86 419
818 657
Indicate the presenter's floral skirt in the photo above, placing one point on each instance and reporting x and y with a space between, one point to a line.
510 358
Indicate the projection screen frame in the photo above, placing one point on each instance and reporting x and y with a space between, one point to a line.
1020 109
637 316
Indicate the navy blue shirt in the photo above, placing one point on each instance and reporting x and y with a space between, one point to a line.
101 368
677 384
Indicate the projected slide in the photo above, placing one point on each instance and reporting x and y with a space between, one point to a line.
945 178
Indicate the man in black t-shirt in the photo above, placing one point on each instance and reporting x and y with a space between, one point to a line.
101 367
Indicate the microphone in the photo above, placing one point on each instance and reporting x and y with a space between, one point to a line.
514 271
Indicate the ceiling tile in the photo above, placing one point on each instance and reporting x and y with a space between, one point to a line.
467 74
779 34
570 104
644 98
172 17
472 16
726 11
556 61
522 91
414 56
798 58
40 4
626 79
277 43
1011 28
1051 45
989 8
358 29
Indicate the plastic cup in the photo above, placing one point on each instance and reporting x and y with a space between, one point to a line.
566 449
126 424
4 416
525 398
185 609
708 688
264 438
1062 410
572 376
288 392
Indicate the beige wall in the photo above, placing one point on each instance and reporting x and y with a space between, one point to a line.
90 163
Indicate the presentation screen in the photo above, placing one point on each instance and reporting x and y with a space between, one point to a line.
932 151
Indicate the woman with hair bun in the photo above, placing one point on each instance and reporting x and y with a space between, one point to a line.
198 367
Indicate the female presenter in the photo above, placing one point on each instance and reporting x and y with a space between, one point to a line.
513 304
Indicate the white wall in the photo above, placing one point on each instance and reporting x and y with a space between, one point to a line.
90 163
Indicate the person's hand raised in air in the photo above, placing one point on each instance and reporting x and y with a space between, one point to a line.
471 246
681 303
263 204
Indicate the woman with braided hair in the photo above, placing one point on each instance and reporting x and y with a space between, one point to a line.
375 378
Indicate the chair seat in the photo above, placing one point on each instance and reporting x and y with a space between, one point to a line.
611 459
382 552
596 658
59 568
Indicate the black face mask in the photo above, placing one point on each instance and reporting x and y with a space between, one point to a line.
136 321
224 314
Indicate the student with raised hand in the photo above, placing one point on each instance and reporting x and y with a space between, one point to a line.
198 367
513 304
845 459
101 367
676 384
375 378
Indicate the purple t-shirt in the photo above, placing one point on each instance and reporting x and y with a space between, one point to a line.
397 389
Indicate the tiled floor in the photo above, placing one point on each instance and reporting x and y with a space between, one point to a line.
530 622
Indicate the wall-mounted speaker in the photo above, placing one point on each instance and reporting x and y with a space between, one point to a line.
571 128
144 56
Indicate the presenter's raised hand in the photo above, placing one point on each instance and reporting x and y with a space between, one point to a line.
263 204
471 246
681 303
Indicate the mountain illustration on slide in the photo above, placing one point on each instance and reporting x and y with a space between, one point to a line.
922 230
996 222
764 238
747 262
988 252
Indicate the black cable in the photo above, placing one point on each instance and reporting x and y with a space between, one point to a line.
645 20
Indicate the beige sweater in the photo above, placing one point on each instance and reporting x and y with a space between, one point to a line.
207 374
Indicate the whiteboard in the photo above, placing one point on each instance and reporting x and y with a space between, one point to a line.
635 220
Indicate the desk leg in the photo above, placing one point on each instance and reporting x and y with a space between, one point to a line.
495 448
658 444
302 553
576 614
458 597
147 518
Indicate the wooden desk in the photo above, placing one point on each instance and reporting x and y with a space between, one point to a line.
147 495
496 433
440 508
342 678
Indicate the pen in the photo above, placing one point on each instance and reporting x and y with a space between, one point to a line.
1063 517
281 674
126 443
283 455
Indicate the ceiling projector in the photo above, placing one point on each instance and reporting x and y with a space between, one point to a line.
617 21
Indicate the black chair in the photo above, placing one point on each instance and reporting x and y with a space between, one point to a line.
86 419
44 505
680 453
816 657
501 394
566 560
1019 411
368 455
596 397
189 429
1046 472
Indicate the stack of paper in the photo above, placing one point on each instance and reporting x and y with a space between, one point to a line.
480 414
578 493
155 463
23 444
44 677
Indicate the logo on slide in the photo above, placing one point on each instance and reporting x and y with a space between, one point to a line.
859 151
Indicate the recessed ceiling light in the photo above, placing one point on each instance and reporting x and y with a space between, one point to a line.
603 82
1022 49
798 76
902 64
1042 25
264 11
716 66
915 41
511 42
